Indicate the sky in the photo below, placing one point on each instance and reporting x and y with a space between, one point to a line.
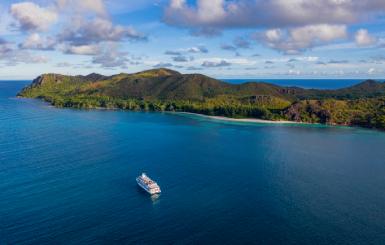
220 38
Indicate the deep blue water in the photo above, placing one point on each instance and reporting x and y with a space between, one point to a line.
68 177
304 83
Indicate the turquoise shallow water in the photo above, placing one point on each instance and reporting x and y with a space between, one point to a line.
68 177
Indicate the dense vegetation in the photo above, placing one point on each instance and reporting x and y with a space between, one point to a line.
167 90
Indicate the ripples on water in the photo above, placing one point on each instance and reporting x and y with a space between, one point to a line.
68 176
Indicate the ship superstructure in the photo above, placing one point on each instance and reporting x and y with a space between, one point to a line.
148 184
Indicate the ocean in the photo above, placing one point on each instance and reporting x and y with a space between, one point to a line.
68 177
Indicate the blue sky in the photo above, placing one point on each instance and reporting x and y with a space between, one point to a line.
220 38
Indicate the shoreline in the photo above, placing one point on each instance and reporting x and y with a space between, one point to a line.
245 120
218 118
214 118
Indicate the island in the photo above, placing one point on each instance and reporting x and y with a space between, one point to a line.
167 90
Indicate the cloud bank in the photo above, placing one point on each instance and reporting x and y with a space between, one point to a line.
223 14
80 28
290 26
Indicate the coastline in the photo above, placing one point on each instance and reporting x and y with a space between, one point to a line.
261 121
214 118
244 120
218 118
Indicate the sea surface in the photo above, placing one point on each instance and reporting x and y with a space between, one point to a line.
68 177
304 83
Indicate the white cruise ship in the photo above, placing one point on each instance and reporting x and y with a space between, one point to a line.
148 184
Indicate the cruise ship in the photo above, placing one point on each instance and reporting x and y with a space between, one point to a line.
148 184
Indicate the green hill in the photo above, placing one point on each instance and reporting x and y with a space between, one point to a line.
366 89
164 89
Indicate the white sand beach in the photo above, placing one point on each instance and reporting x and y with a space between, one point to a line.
245 120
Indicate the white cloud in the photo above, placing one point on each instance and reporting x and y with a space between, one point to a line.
297 40
98 37
11 56
32 17
323 33
5 48
273 35
268 13
308 58
83 28
194 49
177 4
233 61
162 65
63 64
363 38
371 71
35 41
292 26
83 49
34 59
94 6
97 30
198 49
293 72
221 63
172 52
111 57
210 11
182 58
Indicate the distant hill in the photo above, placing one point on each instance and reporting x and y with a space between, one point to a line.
365 89
165 89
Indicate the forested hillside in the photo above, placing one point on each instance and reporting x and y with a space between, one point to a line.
167 90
